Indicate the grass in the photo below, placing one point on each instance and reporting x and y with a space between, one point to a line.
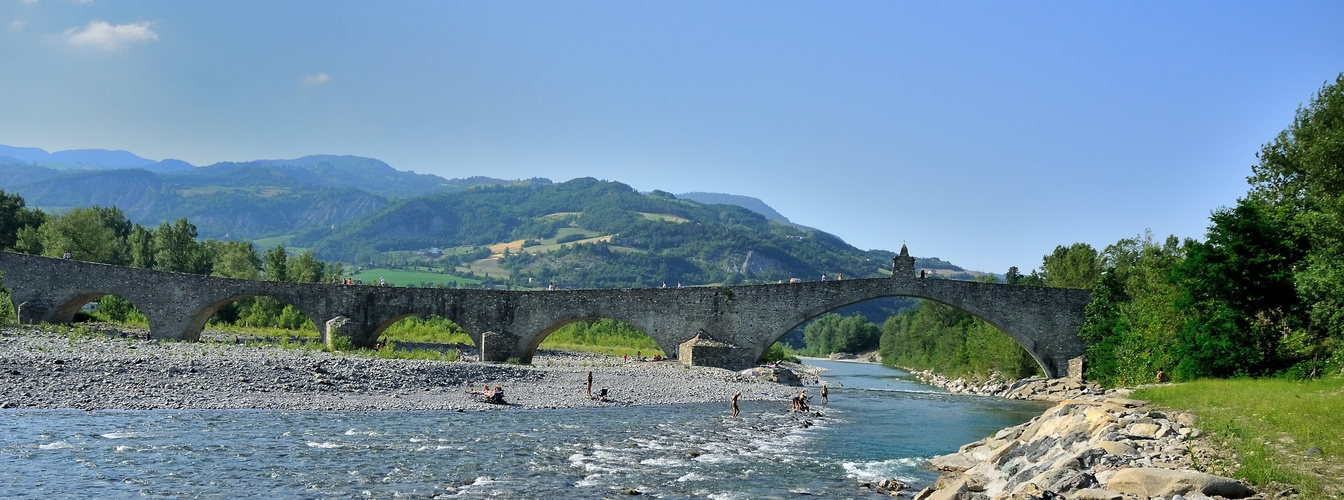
269 243
609 350
390 351
663 217
400 277
1261 430
430 329
603 336
488 267
254 331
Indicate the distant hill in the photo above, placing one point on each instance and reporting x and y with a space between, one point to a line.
579 233
246 200
89 159
747 202
593 234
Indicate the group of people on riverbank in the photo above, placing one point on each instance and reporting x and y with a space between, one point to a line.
488 395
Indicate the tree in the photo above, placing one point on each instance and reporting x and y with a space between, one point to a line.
1239 293
277 266
237 259
141 243
1075 266
306 269
1298 179
14 217
176 249
80 232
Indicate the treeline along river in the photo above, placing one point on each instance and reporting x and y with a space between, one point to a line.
878 424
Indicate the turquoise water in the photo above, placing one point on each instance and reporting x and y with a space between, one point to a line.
877 424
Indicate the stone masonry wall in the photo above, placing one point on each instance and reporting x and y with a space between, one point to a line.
1044 320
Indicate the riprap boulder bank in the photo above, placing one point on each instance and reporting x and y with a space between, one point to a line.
1094 445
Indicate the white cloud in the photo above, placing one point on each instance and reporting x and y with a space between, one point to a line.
17 25
102 35
317 79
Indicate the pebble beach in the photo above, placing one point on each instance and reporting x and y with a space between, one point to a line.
109 367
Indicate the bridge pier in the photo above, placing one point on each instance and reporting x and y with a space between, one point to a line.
33 311
340 331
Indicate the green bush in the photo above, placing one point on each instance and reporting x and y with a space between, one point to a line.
7 312
118 310
606 336
426 329
779 352
342 344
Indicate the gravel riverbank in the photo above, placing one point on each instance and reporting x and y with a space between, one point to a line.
49 367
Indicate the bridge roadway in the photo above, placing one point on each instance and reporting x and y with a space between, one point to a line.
506 324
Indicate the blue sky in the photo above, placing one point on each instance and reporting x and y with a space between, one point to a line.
984 133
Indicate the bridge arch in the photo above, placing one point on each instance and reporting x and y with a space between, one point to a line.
201 318
535 343
65 312
816 312
380 332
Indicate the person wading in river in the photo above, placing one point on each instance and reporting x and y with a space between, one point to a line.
734 403
823 394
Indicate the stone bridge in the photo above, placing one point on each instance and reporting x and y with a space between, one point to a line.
507 324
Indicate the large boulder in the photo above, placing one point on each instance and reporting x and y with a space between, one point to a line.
777 375
1167 483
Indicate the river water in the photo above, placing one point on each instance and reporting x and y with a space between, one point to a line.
877 424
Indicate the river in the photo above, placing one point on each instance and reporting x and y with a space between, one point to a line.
878 423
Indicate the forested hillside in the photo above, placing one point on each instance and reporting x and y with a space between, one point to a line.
249 200
595 234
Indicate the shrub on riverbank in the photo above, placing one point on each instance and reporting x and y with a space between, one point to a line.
426 329
604 336
779 352
1272 433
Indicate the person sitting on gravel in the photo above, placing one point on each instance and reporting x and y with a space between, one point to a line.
601 396
496 396
484 390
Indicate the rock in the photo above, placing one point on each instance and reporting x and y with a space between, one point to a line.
956 491
631 491
1116 448
1166 483
1074 481
1096 494
1126 402
955 462
1144 430
777 375
924 494
890 484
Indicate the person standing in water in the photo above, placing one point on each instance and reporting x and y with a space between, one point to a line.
823 393
734 403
